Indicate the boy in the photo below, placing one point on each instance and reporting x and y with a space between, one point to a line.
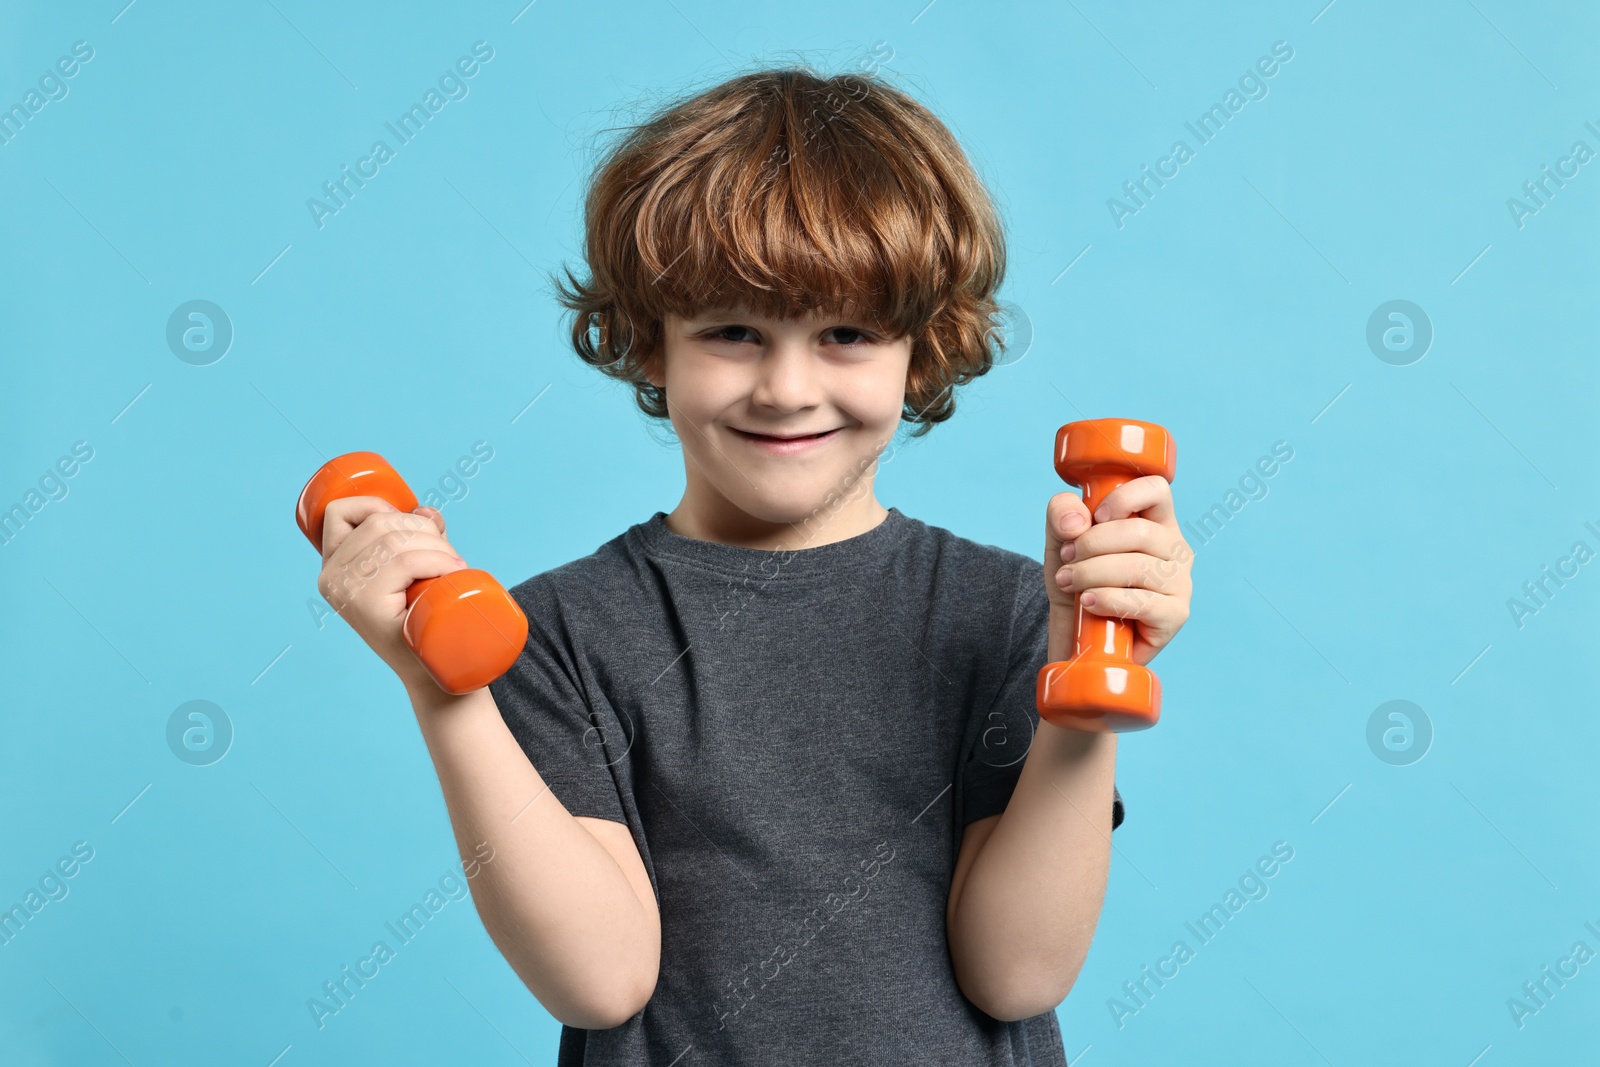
767 784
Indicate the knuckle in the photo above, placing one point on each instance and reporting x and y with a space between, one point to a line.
414 556
337 510
335 592
388 543
1118 604
1146 534
393 523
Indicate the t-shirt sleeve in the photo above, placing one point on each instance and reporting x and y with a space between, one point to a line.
990 774
569 732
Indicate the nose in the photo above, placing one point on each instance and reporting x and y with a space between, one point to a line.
787 378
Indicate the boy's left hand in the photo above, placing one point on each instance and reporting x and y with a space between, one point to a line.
1131 563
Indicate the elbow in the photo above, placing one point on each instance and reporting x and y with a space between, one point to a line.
1012 991
616 1011
602 1015
1016 976
1014 1005
587 1000
606 994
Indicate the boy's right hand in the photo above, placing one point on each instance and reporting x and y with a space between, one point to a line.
371 554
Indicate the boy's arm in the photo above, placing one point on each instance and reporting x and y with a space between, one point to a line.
1029 883
566 900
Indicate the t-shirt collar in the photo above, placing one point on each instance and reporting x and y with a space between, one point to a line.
660 541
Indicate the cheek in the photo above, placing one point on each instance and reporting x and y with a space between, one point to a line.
878 398
689 386
703 392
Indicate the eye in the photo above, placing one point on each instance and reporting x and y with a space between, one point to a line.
721 333
861 337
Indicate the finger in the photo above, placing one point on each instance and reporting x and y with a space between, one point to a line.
1155 618
433 513
1128 535
1066 517
1159 615
1125 570
378 523
344 515
381 538
415 564
1150 496
394 575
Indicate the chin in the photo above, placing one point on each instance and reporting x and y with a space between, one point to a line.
780 509
812 503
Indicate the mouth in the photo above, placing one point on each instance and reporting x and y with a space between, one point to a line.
786 444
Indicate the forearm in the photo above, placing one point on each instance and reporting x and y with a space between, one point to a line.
1020 928
552 898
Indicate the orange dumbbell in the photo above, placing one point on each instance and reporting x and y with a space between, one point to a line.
1100 689
464 627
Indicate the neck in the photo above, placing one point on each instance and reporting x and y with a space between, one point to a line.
725 523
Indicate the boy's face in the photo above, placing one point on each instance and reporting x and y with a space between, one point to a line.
736 381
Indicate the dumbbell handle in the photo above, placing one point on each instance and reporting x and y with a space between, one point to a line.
463 627
1096 634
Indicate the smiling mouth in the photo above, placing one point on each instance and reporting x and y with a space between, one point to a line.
794 437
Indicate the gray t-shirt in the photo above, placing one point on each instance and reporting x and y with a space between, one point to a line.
795 740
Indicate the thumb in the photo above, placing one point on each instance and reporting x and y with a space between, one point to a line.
1066 518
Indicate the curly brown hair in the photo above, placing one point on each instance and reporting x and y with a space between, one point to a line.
785 191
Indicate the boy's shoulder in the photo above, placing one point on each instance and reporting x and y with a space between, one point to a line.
967 548
978 566
595 572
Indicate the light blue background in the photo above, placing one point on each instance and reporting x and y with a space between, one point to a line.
1231 309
